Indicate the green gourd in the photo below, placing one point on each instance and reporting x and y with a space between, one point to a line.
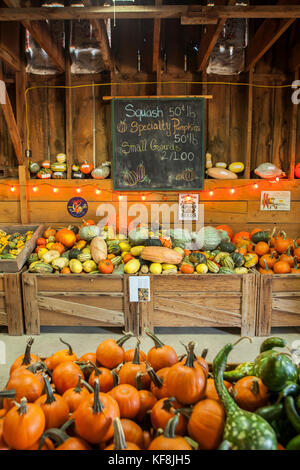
266 352
212 267
197 258
260 237
74 253
242 370
116 260
153 242
82 257
225 270
227 262
243 430
238 259
277 371
227 246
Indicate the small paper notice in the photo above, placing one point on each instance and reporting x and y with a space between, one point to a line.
188 207
275 201
139 289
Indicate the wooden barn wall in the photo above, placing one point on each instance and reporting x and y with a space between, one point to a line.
226 134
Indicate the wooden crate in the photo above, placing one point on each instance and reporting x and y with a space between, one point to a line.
15 265
213 300
11 305
278 302
73 300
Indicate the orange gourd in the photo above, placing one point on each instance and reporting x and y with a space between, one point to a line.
93 418
163 410
161 355
120 443
287 257
55 408
23 425
129 370
127 398
66 237
105 266
211 392
241 237
105 377
110 353
261 248
147 400
250 393
158 381
75 396
187 381
169 440
26 384
60 356
187 269
65 376
25 359
269 259
206 424
133 432
282 242
281 267
129 355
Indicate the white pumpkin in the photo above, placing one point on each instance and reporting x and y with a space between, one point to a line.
98 249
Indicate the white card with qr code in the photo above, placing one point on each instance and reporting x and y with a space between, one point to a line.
139 289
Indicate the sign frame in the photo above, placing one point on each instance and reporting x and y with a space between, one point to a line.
158 189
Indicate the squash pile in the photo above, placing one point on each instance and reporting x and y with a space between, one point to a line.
211 250
12 244
117 399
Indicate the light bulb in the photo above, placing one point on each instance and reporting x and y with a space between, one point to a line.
12 188
55 190
120 198
143 198
232 190
256 186
34 189
98 191
211 193
78 190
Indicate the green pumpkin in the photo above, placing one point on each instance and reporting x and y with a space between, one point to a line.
260 237
238 259
227 246
89 232
153 242
74 253
197 258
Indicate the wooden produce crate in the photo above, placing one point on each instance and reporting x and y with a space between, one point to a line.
11 304
15 265
212 300
278 302
73 300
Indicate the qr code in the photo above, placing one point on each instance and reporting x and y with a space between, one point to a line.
143 294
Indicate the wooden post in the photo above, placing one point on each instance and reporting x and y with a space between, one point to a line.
21 84
24 211
293 134
264 310
68 109
31 308
249 126
248 305
14 304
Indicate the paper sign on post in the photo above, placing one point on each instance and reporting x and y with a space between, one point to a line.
275 201
139 289
188 207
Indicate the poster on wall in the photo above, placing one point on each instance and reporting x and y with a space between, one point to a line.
275 201
77 207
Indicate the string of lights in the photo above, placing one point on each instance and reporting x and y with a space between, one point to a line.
79 189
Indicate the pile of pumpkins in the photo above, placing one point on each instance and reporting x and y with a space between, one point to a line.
216 250
117 399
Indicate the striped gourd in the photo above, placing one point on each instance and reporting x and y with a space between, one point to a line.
113 248
212 267
225 270
82 257
227 262
238 259
116 260
40 267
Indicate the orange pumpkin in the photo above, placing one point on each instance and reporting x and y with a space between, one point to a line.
282 242
49 232
281 267
86 168
105 266
211 392
66 237
206 424
241 237
127 398
163 410
261 248
169 440
187 269
250 393
58 247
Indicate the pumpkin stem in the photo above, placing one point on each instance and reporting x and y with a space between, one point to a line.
192 443
204 353
136 357
242 338
77 389
67 344
97 406
56 435
50 396
167 404
27 356
8 393
157 342
170 427
87 386
22 406
119 437
190 354
255 387
138 381
185 412
115 378
158 382
67 424
125 337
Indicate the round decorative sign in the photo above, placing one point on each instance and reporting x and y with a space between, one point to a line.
77 207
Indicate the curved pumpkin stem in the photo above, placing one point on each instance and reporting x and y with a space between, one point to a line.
97 406
116 379
204 353
157 342
67 424
77 389
242 338
167 404
138 381
158 382
67 344
171 426
125 337
136 357
22 406
119 437
27 355
87 385
56 435
49 392
191 357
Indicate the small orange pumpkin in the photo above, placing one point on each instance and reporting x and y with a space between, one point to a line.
66 237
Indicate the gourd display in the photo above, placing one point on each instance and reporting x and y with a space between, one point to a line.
117 399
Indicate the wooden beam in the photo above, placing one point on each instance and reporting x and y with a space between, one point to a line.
68 106
24 210
156 40
100 33
267 34
41 33
209 39
295 57
21 81
10 59
11 124
293 134
190 14
249 127
9 45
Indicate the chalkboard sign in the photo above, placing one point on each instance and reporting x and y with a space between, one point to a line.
158 144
